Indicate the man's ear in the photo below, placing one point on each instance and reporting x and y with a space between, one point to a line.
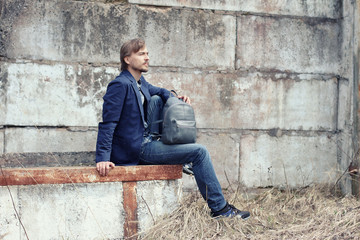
126 59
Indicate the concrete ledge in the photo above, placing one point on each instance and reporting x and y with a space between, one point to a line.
323 9
47 159
61 175
76 203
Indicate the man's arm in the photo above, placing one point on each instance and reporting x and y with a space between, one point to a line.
112 107
164 93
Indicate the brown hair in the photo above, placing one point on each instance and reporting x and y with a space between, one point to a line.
129 47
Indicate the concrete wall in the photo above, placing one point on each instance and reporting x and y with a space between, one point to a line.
272 83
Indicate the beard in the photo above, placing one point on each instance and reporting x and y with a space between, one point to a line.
141 69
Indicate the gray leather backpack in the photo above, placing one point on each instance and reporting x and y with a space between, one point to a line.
179 125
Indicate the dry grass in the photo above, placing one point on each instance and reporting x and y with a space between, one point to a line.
309 213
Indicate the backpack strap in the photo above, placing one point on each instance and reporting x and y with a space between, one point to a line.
173 91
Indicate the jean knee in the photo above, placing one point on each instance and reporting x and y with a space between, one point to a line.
202 154
156 100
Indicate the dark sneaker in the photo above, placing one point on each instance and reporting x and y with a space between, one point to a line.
231 211
187 168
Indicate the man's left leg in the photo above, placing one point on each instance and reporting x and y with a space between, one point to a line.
155 152
154 114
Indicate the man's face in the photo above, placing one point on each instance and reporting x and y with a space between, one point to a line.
138 61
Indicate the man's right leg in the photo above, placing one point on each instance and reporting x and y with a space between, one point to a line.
156 152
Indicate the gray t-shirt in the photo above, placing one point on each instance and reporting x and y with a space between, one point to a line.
141 93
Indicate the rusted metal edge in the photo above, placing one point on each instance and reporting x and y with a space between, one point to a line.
60 175
130 207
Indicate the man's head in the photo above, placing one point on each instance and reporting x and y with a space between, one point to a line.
134 55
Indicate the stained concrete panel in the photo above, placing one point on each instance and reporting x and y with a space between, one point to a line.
3 90
256 100
322 8
22 140
345 105
93 32
10 226
156 199
55 95
189 183
64 30
287 44
189 39
287 161
224 150
83 211
2 139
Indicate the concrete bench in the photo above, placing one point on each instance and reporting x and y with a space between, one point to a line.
75 202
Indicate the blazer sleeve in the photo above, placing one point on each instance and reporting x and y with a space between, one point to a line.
162 92
112 108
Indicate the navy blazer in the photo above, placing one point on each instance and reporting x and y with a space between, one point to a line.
121 132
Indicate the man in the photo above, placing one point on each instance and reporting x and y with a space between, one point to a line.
125 136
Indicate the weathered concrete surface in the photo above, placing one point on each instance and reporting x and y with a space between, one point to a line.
93 32
156 199
30 139
58 94
2 140
348 66
286 44
287 161
3 92
9 221
83 211
257 100
322 8
345 102
258 159
224 150
347 139
356 183
347 152
63 30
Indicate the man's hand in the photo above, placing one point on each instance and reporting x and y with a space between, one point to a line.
185 99
104 168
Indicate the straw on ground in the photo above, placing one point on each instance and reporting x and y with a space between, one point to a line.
315 212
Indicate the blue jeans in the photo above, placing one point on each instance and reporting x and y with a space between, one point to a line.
156 153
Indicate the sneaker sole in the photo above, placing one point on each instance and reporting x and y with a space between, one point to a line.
239 217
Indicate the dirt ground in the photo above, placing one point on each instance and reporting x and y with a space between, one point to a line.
316 212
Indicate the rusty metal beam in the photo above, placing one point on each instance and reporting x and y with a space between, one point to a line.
130 207
60 175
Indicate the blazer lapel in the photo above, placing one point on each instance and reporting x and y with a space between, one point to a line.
138 97
145 90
